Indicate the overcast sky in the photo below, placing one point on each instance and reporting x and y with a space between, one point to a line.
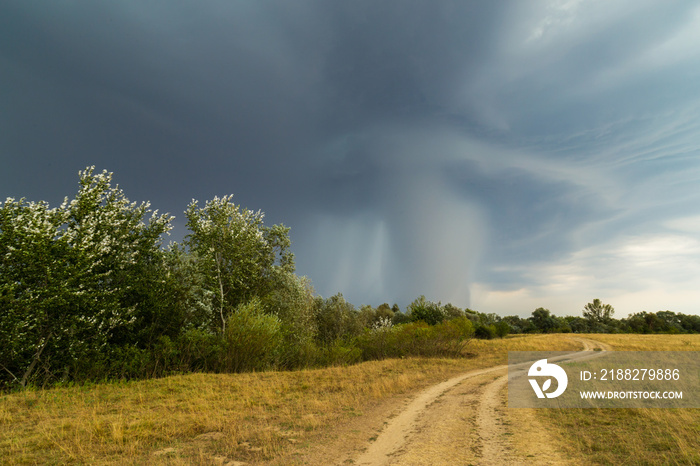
497 155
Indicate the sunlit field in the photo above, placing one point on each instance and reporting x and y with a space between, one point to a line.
652 342
273 417
631 436
205 418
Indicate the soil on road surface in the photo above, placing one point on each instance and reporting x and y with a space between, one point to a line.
463 421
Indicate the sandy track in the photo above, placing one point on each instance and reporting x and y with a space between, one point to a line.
399 429
464 421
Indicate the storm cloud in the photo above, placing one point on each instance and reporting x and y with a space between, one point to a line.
499 155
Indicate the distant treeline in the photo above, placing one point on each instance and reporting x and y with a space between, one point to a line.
88 292
597 318
641 322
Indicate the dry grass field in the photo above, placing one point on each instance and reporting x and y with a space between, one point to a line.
275 417
219 418
631 436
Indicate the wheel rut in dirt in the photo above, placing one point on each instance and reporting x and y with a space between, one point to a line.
464 421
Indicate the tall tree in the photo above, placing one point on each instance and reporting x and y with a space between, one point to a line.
543 320
597 312
33 286
239 257
73 278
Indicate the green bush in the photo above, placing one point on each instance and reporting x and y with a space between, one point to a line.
426 311
485 332
393 342
297 353
252 339
336 319
378 342
447 339
292 300
337 353
452 336
411 339
400 318
201 350
502 329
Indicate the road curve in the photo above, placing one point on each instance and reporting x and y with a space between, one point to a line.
459 421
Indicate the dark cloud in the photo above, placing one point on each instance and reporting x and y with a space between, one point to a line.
481 152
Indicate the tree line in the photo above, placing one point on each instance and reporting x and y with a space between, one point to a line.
597 318
88 291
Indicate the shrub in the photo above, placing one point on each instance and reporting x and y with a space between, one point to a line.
293 302
337 353
400 318
502 329
426 311
376 342
452 336
296 353
252 338
485 332
201 350
393 342
416 339
336 319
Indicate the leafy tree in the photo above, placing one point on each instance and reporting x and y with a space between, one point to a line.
117 263
662 321
191 302
400 318
597 312
383 312
543 321
75 279
472 315
336 319
518 325
239 257
577 324
292 300
671 321
427 311
33 292
367 315
452 312
690 323
502 329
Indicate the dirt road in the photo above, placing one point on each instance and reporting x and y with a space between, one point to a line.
464 421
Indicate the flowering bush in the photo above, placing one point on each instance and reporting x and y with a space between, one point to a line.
72 278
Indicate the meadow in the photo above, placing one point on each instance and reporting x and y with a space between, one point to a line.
280 417
631 436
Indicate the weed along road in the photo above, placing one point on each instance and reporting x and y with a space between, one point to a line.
464 420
